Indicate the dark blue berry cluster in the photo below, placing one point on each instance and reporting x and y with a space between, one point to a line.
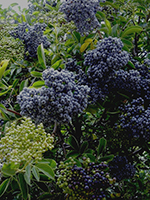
32 37
82 13
59 101
103 62
121 168
135 120
89 182
80 75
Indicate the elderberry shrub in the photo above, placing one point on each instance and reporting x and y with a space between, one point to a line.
103 62
82 13
121 168
135 120
89 181
58 102
32 37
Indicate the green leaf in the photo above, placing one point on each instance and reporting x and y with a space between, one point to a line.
46 169
41 56
72 153
3 187
28 19
36 74
130 30
38 84
56 64
106 158
13 4
8 170
92 109
35 13
23 186
50 162
84 147
92 158
84 46
23 84
49 7
27 175
131 64
3 66
35 172
73 143
108 25
101 146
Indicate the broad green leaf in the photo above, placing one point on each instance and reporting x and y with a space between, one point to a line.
35 172
8 170
27 175
108 25
38 84
101 146
23 84
50 162
84 147
73 143
92 158
28 19
46 169
130 30
127 42
35 13
89 40
106 158
41 56
56 64
3 187
49 7
131 64
36 74
3 66
72 153
13 4
84 47
23 186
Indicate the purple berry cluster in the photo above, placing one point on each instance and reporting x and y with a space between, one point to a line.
82 13
135 120
89 182
32 37
121 168
59 101
103 62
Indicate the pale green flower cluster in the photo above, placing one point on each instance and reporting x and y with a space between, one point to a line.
11 49
24 143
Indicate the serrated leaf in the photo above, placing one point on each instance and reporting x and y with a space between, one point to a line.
46 169
3 187
101 146
41 56
84 147
35 172
73 143
130 30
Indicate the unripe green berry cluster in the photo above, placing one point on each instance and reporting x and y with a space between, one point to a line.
90 181
24 143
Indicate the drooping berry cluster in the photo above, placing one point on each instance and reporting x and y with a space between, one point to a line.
59 102
32 37
82 13
24 143
86 182
121 168
135 120
104 61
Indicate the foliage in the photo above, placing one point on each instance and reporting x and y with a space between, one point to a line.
83 79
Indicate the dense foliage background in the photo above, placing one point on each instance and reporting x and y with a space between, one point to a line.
75 100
